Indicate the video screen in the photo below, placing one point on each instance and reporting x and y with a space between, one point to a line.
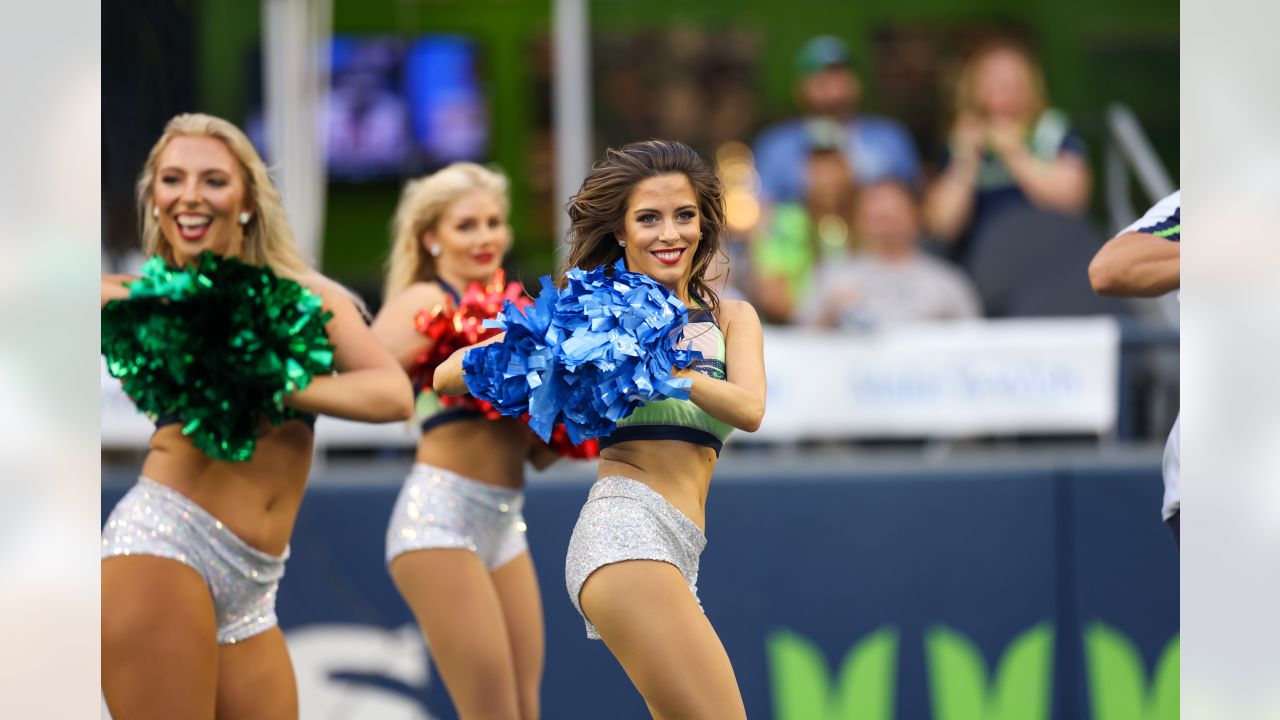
398 107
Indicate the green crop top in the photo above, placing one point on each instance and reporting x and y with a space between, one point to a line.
681 419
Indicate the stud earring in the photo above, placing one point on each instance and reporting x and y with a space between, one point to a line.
155 213
244 217
435 251
622 243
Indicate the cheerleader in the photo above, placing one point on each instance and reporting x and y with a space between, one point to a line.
456 544
194 552
632 563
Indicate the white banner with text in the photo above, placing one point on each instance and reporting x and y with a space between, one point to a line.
993 377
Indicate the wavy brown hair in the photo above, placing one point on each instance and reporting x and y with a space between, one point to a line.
597 213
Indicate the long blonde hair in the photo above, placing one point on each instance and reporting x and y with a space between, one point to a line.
268 239
966 97
422 203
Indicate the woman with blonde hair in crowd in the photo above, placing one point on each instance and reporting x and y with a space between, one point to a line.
456 545
1007 149
194 552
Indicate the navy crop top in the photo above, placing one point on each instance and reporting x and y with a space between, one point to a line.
428 405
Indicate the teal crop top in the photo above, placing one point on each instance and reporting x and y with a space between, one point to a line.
681 419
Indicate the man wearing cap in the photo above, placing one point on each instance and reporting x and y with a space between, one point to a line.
827 89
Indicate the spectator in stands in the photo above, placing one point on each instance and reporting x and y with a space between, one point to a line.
1007 150
797 235
892 280
827 88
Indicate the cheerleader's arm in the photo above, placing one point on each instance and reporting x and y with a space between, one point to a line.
370 386
449 378
394 325
739 399
115 287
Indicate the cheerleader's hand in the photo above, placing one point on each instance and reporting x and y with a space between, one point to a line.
683 373
541 455
115 287
448 378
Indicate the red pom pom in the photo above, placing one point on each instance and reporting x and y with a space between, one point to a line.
588 450
452 328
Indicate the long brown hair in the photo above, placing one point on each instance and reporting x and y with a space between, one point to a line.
598 211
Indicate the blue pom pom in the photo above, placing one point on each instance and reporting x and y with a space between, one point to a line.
587 355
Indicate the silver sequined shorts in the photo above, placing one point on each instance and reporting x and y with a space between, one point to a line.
625 519
438 508
156 520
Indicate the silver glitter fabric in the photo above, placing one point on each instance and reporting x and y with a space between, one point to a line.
438 508
156 520
625 519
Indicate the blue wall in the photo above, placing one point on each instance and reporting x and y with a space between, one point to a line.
826 561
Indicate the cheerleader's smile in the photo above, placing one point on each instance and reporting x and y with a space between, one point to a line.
198 195
662 230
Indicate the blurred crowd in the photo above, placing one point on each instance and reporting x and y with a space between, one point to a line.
848 230
837 218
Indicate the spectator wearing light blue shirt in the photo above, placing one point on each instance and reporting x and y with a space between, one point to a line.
828 90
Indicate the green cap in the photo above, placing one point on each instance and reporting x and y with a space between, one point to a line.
821 52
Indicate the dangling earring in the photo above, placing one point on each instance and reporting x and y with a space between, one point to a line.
435 251
155 213
244 217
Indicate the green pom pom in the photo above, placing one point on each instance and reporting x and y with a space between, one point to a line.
218 345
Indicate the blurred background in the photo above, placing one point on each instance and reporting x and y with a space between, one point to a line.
958 479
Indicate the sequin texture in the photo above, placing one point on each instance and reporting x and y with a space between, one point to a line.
156 520
624 519
438 508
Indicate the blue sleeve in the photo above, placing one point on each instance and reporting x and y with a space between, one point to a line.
772 164
907 160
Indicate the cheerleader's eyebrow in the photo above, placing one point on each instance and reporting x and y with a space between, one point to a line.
651 210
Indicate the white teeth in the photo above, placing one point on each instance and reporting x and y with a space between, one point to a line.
193 221
668 254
